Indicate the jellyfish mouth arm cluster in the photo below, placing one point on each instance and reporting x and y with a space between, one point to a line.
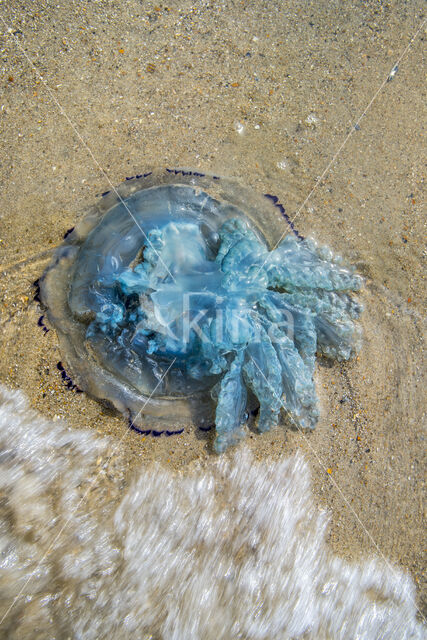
183 309
253 318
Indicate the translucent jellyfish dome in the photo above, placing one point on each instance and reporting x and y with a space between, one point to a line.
178 299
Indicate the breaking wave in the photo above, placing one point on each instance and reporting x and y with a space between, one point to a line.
233 549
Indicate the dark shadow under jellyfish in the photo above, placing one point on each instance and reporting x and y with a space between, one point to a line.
176 300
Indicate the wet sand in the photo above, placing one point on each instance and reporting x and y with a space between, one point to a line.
266 92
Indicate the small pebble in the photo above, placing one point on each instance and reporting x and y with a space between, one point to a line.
239 127
393 73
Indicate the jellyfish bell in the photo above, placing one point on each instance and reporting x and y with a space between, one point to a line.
171 299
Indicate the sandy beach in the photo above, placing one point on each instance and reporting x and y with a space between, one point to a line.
290 98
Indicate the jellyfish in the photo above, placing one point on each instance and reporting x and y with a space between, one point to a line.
177 297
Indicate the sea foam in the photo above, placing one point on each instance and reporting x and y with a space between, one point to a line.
231 549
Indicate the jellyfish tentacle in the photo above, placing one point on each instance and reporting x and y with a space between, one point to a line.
295 321
337 339
299 395
262 374
231 233
231 405
300 263
321 301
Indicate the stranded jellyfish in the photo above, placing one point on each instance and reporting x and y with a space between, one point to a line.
177 299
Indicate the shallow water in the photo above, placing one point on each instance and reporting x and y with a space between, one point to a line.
234 549
266 92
